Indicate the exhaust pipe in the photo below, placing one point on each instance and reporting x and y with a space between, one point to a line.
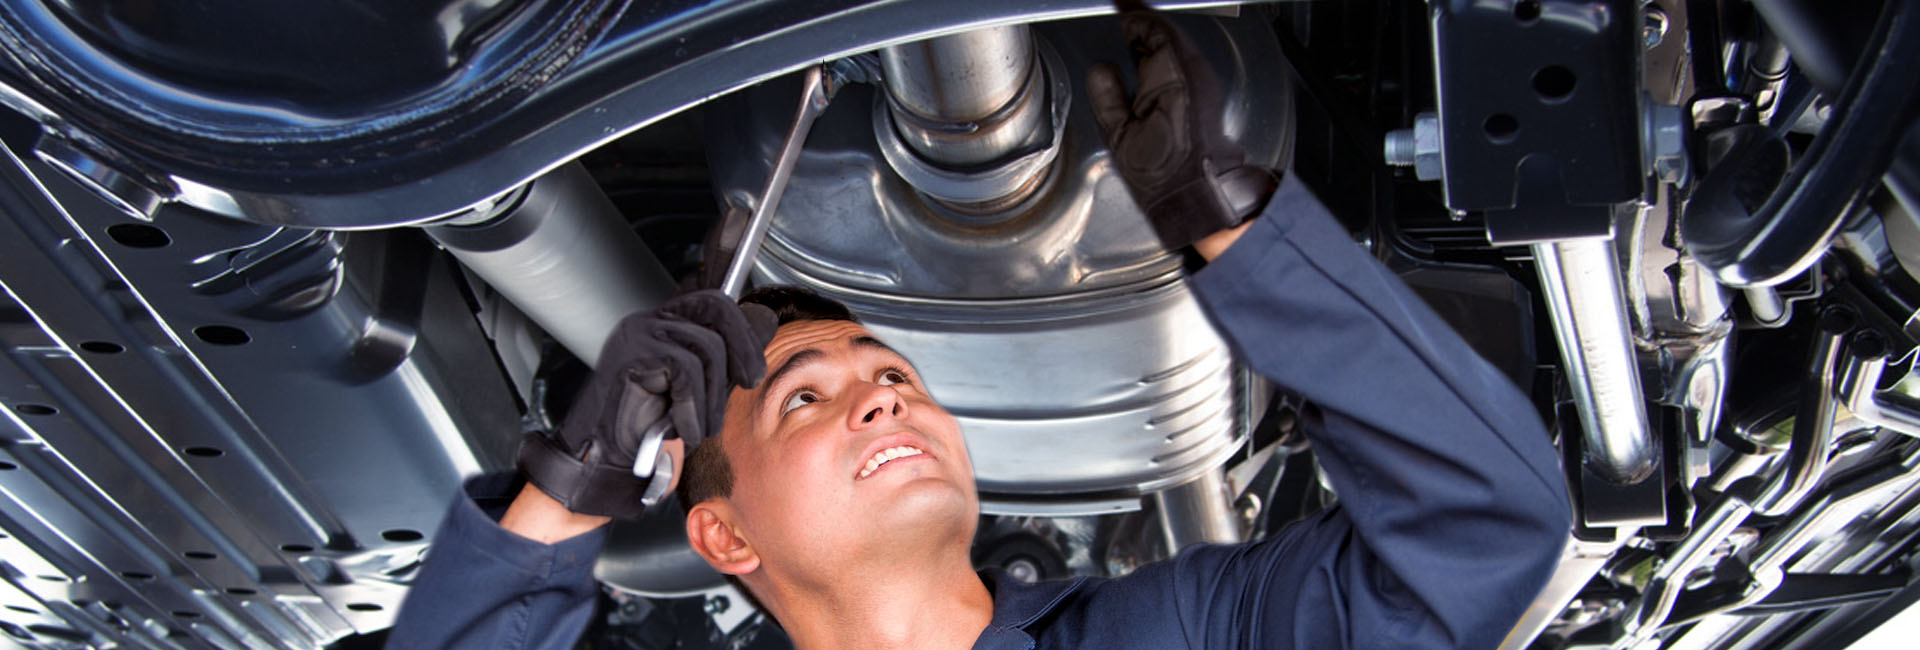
968 99
561 252
973 119
1581 279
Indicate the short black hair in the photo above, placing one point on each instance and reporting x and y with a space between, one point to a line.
795 303
706 473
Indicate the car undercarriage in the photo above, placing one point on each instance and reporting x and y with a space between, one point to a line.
278 276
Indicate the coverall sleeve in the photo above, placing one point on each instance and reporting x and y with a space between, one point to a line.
482 586
1452 506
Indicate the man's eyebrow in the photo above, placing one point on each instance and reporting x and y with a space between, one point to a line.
799 359
793 363
870 342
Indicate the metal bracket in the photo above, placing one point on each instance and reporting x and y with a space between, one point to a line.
1505 119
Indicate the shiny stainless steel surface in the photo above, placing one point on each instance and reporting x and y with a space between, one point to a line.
1023 141
1839 502
1682 320
1080 232
1836 504
815 92
1582 286
1887 409
563 255
1765 304
969 99
1787 486
1032 300
1669 578
1825 536
965 77
1808 454
1040 378
1199 512
1670 294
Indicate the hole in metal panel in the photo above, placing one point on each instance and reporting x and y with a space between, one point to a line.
204 452
52 578
1501 127
5 466
24 610
138 235
364 607
296 548
136 575
222 334
240 591
186 614
200 555
102 347
1554 83
1526 11
402 535
34 409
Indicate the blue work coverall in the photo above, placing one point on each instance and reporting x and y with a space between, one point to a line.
1452 514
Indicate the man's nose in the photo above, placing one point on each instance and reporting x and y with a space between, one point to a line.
875 404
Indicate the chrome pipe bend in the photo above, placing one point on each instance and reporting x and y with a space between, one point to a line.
1807 454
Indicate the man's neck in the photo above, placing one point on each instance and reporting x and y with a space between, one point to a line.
947 607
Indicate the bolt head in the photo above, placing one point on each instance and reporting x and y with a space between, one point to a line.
1426 147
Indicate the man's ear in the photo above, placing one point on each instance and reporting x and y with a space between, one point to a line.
711 531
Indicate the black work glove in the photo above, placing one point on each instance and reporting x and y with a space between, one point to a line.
677 364
1167 143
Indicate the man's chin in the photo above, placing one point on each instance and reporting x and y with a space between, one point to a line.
928 504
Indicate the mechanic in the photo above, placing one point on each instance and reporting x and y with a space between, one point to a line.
841 496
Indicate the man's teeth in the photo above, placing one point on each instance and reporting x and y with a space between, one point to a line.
888 454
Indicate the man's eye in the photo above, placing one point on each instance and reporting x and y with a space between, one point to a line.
799 398
891 377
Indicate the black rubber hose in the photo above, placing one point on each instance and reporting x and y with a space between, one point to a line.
1764 247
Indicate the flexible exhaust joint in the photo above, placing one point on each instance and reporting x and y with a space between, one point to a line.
972 119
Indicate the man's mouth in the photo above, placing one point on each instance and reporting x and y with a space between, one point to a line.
888 455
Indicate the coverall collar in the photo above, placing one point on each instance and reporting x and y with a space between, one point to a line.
1017 606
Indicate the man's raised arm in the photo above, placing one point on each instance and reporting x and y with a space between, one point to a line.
1453 509
527 581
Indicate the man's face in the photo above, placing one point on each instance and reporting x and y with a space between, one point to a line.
840 456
